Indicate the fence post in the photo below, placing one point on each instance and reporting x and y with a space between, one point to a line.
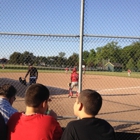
81 45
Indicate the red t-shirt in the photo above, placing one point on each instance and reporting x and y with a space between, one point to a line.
33 127
74 77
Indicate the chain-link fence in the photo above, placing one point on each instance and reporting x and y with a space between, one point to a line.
106 58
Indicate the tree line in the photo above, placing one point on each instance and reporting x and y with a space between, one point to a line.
128 57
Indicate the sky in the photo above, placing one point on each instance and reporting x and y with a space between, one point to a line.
62 17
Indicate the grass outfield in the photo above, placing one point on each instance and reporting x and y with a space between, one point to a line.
24 71
119 74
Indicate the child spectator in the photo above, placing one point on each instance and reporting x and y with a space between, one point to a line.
7 97
34 124
88 127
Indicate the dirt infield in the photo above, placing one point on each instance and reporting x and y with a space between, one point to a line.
121 97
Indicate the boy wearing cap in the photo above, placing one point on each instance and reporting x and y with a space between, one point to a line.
34 124
88 127
74 82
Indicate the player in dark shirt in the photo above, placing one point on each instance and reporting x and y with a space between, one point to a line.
33 74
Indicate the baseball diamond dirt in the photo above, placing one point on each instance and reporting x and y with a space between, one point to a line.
121 96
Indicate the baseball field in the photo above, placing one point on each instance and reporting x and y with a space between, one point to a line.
121 96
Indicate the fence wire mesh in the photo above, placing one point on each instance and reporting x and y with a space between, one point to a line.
106 58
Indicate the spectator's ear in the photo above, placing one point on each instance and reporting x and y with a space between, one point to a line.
12 99
45 105
80 106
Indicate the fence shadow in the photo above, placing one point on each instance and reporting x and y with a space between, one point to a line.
127 136
22 88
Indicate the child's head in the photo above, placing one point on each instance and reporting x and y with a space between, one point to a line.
8 91
36 94
88 101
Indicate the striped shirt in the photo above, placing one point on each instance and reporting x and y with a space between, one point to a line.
6 109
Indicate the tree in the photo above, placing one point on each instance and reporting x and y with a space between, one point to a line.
110 52
42 60
28 57
91 58
131 51
51 61
37 60
61 54
15 58
62 61
73 60
135 51
85 56
138 65
21 58
130 64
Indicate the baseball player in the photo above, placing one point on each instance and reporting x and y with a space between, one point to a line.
66 70
74 82
129 72
33 74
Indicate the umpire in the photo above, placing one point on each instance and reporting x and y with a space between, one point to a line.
33 74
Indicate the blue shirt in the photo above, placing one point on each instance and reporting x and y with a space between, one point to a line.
6 109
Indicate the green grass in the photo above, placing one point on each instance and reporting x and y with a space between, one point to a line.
11 65
20 68
119 74
23 69
11 70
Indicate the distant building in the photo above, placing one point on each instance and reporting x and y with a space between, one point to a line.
114 67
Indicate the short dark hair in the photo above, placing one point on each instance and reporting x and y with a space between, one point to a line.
91 100
36 94
8 90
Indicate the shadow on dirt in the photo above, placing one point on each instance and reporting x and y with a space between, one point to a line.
22 88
